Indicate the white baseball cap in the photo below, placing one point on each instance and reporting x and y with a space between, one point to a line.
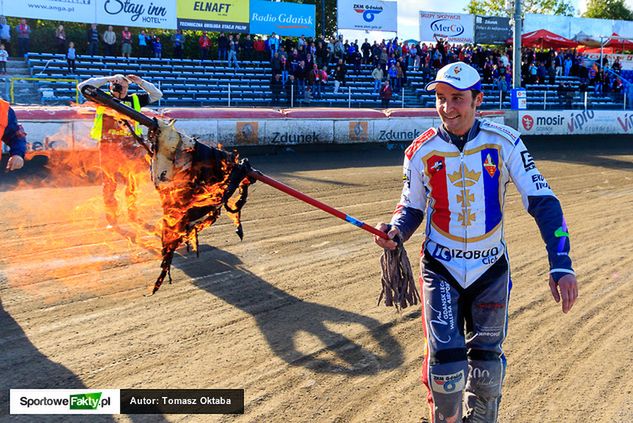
458 75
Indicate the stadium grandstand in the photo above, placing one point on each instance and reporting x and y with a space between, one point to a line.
191 82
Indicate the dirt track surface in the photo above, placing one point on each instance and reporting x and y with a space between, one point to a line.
289 314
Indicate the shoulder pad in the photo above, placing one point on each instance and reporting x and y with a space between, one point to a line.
506 132
417 143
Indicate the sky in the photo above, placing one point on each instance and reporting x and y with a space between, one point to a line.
408 17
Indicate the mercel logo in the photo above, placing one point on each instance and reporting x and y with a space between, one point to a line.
87 401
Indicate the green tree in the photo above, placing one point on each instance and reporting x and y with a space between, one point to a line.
498 7
608 9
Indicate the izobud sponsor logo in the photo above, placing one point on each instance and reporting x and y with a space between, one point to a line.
64 401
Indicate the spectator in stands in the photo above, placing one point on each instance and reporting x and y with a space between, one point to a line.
300 74
260 48
178 43
320 84
13 136
366 49
24 36
4 56
142 43
109 41
559 61
5 34
158 48
340 72
617 66
357 59
314 80
275 87
393 75
126 43
233 47
71 56
93 40
119 154
542 73
567 64
273 44
275 64
552 73
385 94
247 48
285 68
378 76
301 42
60 39
223 46
205 45
501 84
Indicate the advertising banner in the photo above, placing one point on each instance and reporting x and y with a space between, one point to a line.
154 14
216 15
626 60
492 30
287 19
452 27
56 10
571 122
370 15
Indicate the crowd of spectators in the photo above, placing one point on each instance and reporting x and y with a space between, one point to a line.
307 65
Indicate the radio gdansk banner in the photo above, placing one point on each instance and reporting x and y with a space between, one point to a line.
287 19
573 122
144 14
371 15
452 27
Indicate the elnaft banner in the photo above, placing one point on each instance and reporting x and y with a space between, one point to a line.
452 27
371 15
217 16
71 10
288 19
144 14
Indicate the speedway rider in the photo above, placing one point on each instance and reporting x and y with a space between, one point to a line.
457 175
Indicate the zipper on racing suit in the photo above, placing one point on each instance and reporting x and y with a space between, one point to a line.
466 214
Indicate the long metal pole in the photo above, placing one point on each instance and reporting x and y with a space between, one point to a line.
516 52
316 203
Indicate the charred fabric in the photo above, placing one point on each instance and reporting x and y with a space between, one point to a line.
195 182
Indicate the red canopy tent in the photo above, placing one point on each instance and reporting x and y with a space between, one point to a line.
543 38
619 44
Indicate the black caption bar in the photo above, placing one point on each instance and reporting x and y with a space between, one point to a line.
182 401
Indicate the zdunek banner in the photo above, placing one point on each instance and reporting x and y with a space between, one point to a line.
370 15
